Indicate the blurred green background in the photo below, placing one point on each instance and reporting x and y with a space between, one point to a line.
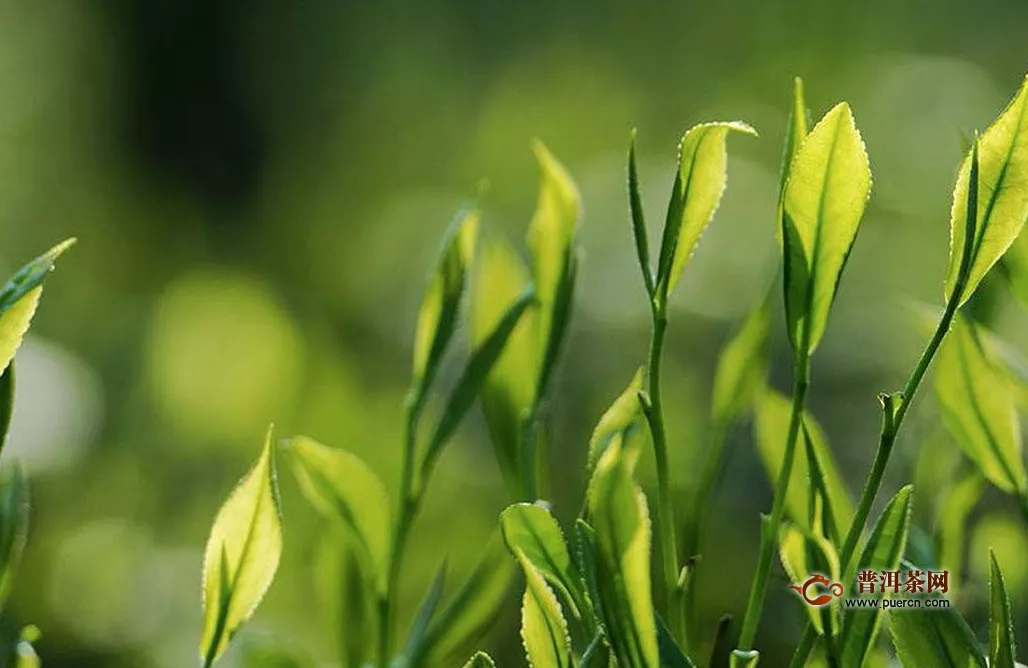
259 189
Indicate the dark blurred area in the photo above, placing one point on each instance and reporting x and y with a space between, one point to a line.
259 189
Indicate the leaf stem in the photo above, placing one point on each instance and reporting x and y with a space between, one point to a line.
665 534
769 533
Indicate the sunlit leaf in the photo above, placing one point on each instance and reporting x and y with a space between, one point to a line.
342 487
544 631
624 415
828 186
772 425
242 555
742 366
619 514
14 524
1001 628
795 549
509 389
979 408
1002 195
347 591
533 533
480 660
939 638
699 184
472 610
882 552
437 318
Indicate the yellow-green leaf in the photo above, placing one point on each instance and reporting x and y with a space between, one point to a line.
1002 205
1001 629
242 555
978 406
699 184
939 638
828 186
508 390
437 318
544 631
343 488
622 524
772 426
14 323
480 660
959 501
742 366
624 415
533 534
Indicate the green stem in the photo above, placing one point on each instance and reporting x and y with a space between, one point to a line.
530 451
769 533
410 501
665 512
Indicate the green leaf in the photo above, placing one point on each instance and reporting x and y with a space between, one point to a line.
429 605
671 655
544 631
624 415
437 318
533 533
480 660
621 519
14 323
270 654
342 488
960 500
745 658
472 610
6 402
24 653
1001 628
699 184
828 186
742 366
1002 202
635 205
242 555
347 590
31 276
795 133
772 426
474 376
796 551
510 387
883 552
551 237
978 407
14 524
940 639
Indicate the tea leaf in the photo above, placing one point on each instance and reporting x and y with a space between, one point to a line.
979 408
471 611
544 630
14 323
742 366
347 590
1002 202
642 243
883 552
242 555
795 133
427 609
437 318
772 425
551 236
624 415
699 184
31 276
532 532
671 655
509 388
343 489
960 500
940 639
621 519
828 186
474 376
1001 629
480 660
14 524
6 402
796 549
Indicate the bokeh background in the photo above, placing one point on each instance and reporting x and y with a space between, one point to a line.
259 189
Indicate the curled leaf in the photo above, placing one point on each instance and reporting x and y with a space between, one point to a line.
544 631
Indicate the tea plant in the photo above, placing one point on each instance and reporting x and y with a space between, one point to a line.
589 597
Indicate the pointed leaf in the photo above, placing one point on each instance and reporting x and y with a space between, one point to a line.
742 366
544 630
429 605
509 388
699 184
533 533
621 519
635 205
242 555
437 318
480 660
979 407
772 425
1002 202
883 552
342 488
1001 628
940 639
829 183
671 655
14 524
625 414
31 276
